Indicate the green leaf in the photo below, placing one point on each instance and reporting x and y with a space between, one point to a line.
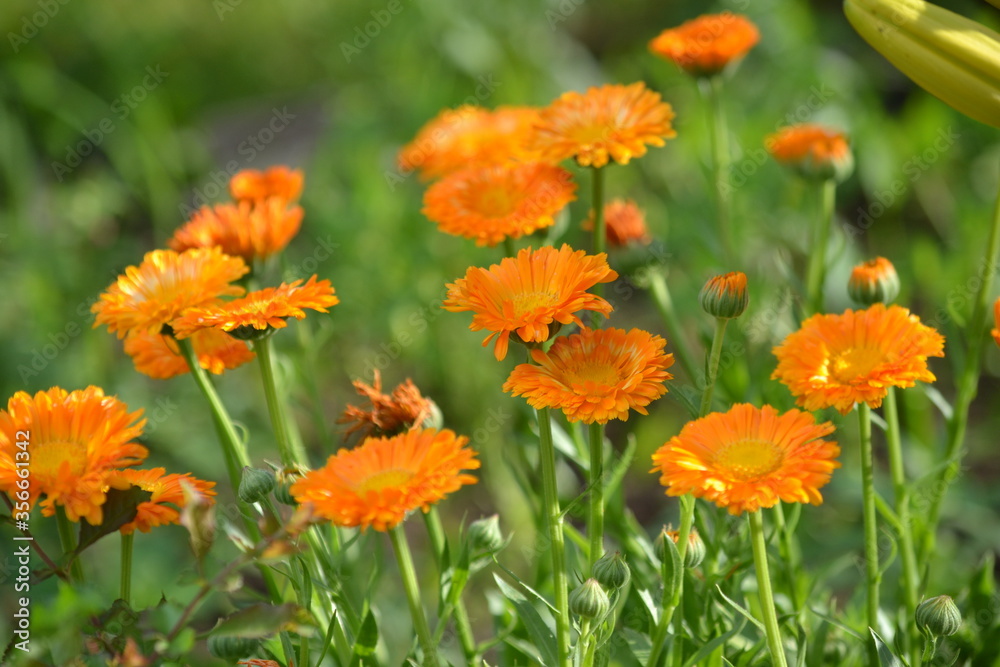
738 607
708 648
885 656
540 632
651 606
671 569
260 620
119 508
328 637
364 645
525 586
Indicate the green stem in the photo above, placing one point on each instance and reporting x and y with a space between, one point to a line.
712 367
789 555
774 644
412 589
126 568
664 304
587 644
554 519
275 407
718 135
968 383
596 519
902 495
462 624
670 605
821 238
67 539
600 229
930 648
872 574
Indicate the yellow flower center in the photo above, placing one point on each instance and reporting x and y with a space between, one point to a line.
855 362
592 134
494 202
600 374
526 302
384 479
749 459
48 457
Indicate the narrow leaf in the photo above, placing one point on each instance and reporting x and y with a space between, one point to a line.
119 508
738 607
364 645
540 632
885 656
260 620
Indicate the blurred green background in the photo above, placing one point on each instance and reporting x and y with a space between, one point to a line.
116 118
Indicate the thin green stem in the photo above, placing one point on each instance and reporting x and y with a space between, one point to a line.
712 366
557 548
821 239
600 229
275 407
595 523
968 382
435 531
873 575
664 304
902 495
587 644
126 568
789 554
718 136
412 589
670 604
67 540
930 648
774 644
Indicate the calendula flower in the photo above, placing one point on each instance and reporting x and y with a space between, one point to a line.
707 44
280 182
612 122
531 294
595 375
159 357
379 482
75 439
249 229
725 295
748 458
388 414
150 295
493 203
259 311
839 360
814 151
470 136
167 490
624 223
874 281
996 321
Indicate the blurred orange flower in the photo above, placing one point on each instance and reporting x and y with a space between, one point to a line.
379 482
996 320
595 375
250 230
166 489
705 45
405 408
159 357
624 223
493 203
530 293
812 150
253 185
613 122
748 458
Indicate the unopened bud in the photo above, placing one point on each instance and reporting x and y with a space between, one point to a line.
589 600
485 535
725 296
255 485
874 281
938 616
612 571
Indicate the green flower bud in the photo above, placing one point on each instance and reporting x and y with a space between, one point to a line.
695 552
255 484
612 571
938 617
283 494
485 535
589 600
725 296
874 281
231 648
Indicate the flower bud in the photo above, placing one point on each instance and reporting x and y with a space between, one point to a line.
282 493
231 648
874 281
815 152
696 549
611 571
485 535
938 616
725 296
589 600
255 485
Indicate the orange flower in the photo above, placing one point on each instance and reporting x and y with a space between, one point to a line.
612 122
470 136
839 360
380 481
705 45
259 311
528 293
595 375
996 321
748 458
388 415
493 203
165 489
813 150
251 230
624 223
164 285
74 440
874 281
725 296
280 182
159 357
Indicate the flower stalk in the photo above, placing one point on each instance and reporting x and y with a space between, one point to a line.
873 576
557 549
774 644
412 590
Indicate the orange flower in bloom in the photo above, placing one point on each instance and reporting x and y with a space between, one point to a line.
528 293
873 282
388 414
595 375
624 223
166 283
996 321
839 360
705 45
748 458
470 136
248 229
726 295
813 150
260 310
280 182
259 663
380 481
74 440
490 204
166 489
159 357
612 122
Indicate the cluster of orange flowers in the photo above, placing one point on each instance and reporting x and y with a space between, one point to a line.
82 444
